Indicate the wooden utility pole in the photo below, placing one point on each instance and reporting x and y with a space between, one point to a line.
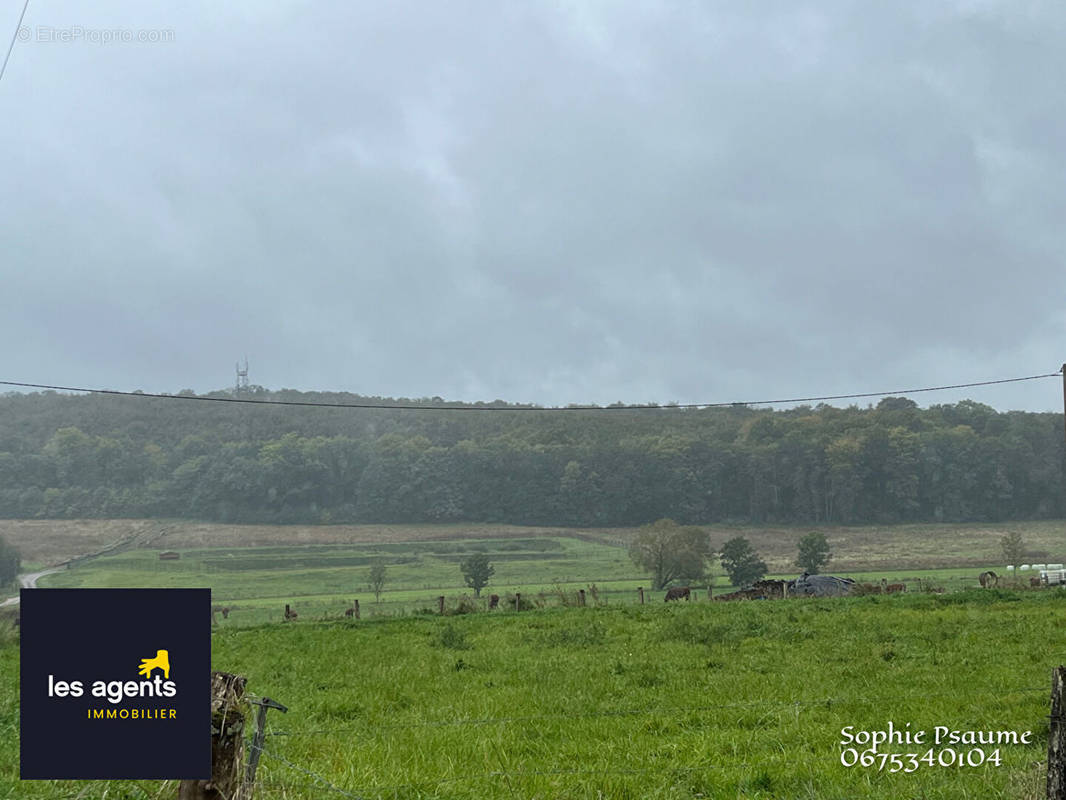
1064 439
1056 740
227 742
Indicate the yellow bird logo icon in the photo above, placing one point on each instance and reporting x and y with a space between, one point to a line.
161 661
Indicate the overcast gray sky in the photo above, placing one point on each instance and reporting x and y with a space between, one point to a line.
543 202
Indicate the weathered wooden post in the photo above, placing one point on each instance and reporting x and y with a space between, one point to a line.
710 592
227 742
356 607
784 589
517 600
581 597
257 744
640 591
1056 740
440 605
884 586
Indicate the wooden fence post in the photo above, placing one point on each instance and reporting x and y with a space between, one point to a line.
257 744
440 605
1056 740
517 600
581 597
356 607
640 591
710 592
227 742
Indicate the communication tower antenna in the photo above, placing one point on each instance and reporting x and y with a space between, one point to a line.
242 377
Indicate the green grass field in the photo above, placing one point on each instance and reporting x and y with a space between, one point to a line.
323 579
615 700
699 700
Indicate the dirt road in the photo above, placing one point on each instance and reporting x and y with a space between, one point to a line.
29 581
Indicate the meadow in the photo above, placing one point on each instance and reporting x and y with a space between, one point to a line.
698 700
612 700
320 570
866 547
321 580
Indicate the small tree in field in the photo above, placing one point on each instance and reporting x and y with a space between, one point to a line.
476 571
741 562
813 552
671 552
376 577
1013 550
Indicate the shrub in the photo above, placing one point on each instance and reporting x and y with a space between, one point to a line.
453 639
524 604
565 598
465 605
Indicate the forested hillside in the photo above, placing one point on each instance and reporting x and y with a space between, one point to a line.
110 456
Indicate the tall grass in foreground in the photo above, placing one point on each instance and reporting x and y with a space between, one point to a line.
700 700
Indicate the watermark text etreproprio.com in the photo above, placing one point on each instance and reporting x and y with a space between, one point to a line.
67 34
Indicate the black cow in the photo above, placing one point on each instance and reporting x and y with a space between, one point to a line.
676 593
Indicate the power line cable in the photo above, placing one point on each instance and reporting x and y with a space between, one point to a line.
14 36
631 407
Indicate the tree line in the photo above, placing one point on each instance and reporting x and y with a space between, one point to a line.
64 456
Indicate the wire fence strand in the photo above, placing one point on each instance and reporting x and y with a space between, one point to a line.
632 712
319 779
322 781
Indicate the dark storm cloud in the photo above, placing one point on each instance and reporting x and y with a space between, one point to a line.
551 202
